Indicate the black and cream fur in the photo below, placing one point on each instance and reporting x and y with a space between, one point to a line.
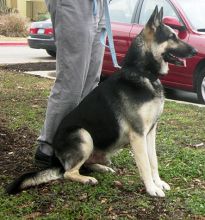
122 110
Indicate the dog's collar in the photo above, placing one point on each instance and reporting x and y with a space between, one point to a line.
136 77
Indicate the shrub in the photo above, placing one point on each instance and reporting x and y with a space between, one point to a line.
13 25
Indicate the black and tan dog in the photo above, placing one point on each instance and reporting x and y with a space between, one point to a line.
122 110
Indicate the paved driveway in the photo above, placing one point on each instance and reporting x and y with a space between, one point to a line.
23 54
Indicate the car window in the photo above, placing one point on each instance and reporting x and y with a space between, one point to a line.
148 7
122 10
194 12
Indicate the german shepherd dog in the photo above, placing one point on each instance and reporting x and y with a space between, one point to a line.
122 110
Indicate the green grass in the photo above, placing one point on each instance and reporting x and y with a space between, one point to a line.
23 100
117 196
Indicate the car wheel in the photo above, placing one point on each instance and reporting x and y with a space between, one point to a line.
51 53
201 86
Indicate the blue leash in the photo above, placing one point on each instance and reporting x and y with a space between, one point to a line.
108 30
95 6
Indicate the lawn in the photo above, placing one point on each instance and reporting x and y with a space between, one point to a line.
181 155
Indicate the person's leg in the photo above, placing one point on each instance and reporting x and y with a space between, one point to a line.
73 31
97 54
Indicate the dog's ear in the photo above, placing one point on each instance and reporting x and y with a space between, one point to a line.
160 15
153 18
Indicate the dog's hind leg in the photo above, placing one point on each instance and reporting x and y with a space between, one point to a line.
151 149
139 146
80 150
74 175
100 168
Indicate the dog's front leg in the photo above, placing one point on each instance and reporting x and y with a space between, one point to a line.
138 143
151 149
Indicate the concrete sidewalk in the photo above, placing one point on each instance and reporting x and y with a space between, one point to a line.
50 74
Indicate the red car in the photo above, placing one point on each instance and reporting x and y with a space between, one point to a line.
187 17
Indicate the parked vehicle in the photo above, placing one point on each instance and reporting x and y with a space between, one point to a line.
185 16
41 36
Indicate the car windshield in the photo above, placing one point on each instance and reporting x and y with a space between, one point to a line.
195 12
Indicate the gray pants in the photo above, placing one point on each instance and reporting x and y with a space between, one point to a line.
78 60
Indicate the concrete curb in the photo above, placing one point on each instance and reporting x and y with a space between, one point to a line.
12 43
186 103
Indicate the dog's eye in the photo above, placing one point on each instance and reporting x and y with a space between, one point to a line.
172 36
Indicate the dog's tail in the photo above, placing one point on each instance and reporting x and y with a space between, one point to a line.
33 179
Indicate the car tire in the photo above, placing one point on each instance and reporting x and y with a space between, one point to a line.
201 86
51 53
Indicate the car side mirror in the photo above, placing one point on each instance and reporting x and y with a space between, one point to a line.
173 23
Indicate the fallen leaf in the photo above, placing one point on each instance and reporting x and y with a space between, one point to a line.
103 200
83 197
33 215
118 184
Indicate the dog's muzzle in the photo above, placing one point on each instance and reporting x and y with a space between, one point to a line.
178 60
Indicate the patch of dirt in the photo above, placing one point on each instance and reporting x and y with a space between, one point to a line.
16 150
29 66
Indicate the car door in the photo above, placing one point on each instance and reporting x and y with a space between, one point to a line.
177 75
121 14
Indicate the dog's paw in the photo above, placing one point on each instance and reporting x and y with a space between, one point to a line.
100 168
90 180
162 185
108 169
155 191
